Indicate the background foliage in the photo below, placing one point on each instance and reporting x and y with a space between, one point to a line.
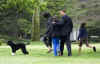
16 15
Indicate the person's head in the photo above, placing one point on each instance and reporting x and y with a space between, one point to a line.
62 12
83 25
47 15
54 18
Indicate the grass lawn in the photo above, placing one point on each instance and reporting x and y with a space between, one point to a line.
38 55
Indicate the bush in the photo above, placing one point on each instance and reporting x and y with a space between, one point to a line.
2 41
94 31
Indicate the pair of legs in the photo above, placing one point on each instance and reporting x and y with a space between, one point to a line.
48 43
66 40
85 40
56 45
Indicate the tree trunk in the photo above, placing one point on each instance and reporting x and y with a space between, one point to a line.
36 25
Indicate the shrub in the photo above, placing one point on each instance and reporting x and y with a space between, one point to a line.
2 41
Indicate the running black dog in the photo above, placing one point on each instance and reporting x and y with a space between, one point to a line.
15 47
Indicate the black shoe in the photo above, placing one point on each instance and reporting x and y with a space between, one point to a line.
69 54
94 49
61 53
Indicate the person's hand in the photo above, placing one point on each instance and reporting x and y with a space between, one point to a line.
53 22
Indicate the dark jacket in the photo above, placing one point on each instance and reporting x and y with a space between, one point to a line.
67 25
82 33
55 29
49 27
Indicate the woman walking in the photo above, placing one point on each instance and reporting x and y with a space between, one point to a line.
83 37
55 33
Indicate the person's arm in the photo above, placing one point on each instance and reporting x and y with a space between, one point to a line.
68 22
78 37
49 28
48 25
81 31
79 34
58 23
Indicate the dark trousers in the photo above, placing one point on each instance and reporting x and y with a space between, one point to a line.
48 41
66 40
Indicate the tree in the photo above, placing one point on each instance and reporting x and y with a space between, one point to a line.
11 11
38 4
23 16
22 9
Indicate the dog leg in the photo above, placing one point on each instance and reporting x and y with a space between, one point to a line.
13 51
24 50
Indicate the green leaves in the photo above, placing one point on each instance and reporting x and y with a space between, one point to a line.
24 25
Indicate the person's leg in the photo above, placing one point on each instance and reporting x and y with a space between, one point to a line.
69 48
50 41
58 46
87 44
79 52
49 44
62 46
68 44
80 46
45 40
54 40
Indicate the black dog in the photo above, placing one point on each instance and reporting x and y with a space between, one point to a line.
15 47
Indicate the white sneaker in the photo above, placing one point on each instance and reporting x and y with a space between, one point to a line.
13 54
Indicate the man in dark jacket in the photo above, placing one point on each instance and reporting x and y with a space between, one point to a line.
66 30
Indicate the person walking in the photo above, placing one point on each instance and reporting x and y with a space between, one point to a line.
66 31
83 37
55 33
47 38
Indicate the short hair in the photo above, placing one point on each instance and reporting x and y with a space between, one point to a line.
47 15
64 10
83 25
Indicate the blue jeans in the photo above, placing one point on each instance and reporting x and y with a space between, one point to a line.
56 45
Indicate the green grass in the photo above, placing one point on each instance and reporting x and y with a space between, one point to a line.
38 55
